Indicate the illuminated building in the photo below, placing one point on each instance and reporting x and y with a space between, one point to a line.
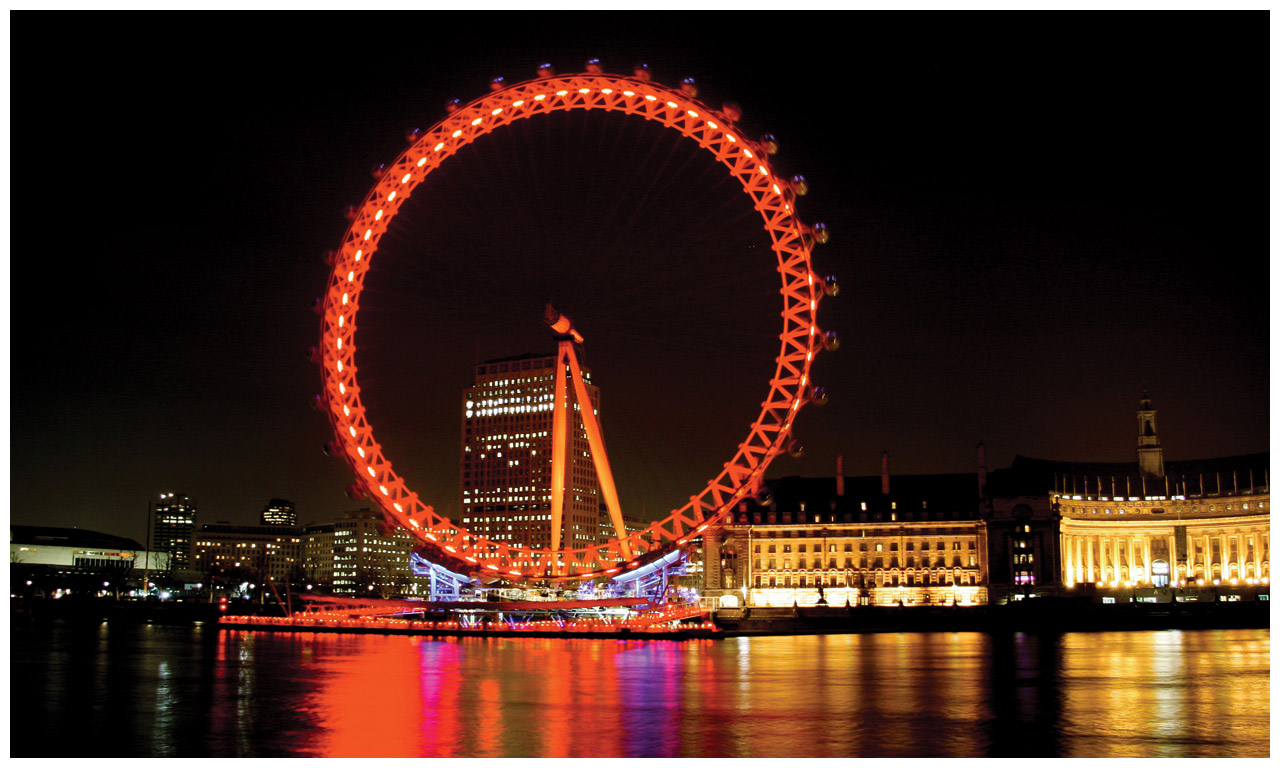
371 557
906 540
173 527
266 551
1022 530
507 457
56 562
279 512
1158 523
75 548
605 525
1150 530
318 553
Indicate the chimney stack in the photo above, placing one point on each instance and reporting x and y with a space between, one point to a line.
840 474
982 470
884 473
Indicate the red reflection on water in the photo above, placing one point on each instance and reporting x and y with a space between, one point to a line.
440 680
370 704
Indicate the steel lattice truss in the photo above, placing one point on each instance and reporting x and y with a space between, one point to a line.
789 387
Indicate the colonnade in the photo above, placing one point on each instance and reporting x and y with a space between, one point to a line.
1118 556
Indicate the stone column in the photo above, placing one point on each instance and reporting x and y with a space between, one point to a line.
1240 554
1257 554
1146 556
1191 555
1088 555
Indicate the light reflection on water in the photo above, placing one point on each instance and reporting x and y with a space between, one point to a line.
178 691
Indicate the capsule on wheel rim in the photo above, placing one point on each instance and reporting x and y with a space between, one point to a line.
770 143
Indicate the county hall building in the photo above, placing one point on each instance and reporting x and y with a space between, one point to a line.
1149 530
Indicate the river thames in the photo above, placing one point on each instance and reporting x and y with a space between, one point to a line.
122 689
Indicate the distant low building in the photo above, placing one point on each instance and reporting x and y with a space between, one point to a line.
361 554
53 562
38 545
264 551
318 554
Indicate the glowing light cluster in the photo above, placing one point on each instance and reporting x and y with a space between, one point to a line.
768 435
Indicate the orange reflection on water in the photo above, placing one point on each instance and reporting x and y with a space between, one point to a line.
1168 694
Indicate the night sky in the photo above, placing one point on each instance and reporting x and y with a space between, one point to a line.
1032 216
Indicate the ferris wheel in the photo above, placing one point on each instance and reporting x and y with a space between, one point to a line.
788 388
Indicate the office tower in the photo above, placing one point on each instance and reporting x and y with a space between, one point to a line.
506 456
173 527
279 512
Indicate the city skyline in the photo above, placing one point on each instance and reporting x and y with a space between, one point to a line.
1026 233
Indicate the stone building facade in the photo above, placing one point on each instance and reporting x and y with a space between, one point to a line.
1134 531
905 540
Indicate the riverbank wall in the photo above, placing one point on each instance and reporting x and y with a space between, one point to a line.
1046 615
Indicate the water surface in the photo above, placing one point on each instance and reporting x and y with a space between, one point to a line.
147 690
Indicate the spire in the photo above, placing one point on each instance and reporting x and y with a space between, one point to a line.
1150 455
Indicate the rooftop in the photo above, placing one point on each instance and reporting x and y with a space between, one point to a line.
68 537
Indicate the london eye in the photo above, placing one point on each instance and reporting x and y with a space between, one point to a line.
787 388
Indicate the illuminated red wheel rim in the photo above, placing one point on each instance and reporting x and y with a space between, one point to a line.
789 387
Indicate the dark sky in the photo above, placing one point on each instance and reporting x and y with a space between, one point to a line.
1031 216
